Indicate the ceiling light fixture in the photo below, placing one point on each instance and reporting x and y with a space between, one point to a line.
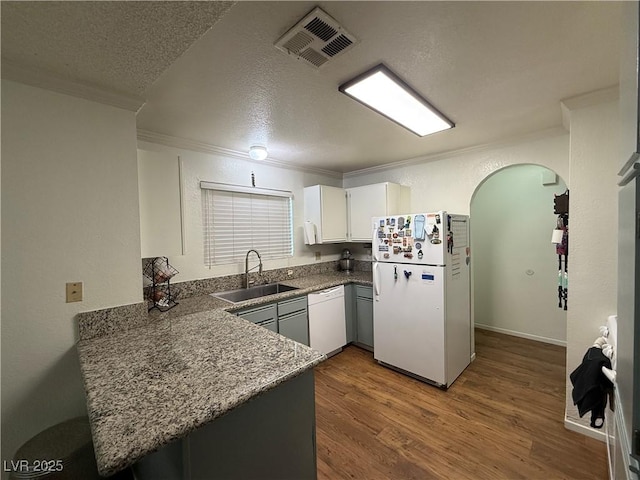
258 152
383 91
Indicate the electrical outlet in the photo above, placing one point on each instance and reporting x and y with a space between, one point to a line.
74 292
318 255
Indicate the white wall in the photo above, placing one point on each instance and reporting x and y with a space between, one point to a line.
70 213
515 263
593 223
449 181
216 168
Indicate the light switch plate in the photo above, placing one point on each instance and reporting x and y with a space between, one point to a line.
74 292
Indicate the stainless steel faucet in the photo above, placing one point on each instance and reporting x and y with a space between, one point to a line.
246 267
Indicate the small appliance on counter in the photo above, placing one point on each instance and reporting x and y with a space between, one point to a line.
346 262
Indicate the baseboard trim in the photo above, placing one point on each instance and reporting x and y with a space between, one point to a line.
588 431
528 336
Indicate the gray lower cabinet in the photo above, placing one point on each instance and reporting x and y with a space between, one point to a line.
293 319
271 437
295 326
266 316
364 316
288 317
350 311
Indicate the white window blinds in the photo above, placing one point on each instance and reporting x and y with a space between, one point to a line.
236 220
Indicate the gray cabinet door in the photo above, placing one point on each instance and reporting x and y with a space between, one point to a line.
270 325
265 316
295 326
349 312
364 315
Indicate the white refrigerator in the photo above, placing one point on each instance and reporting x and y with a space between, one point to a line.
421 287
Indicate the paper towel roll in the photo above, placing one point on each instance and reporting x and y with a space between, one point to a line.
309 233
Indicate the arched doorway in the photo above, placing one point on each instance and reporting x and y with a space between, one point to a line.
515 266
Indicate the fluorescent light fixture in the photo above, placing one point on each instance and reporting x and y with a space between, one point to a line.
383 91
258 152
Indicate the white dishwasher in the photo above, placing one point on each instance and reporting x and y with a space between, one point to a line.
327 326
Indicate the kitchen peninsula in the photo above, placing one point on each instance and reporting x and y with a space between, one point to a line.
198 391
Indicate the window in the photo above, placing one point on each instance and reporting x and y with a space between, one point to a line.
237 219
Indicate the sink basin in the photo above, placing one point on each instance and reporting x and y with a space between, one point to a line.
242 294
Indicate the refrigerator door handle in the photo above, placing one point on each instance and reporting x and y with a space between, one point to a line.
376 282
635 156
374 243
632 173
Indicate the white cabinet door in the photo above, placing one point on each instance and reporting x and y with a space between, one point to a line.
364 203
326 208
160 204
370 201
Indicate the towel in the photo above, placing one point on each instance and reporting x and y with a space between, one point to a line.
590 386
309 233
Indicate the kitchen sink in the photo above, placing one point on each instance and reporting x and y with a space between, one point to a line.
242 294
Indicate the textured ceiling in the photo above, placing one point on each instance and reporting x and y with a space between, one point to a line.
118 46
497 69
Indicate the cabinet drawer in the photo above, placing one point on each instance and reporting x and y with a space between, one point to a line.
292 305
270 325
260 314
364 292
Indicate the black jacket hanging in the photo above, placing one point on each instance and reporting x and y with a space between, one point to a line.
590 386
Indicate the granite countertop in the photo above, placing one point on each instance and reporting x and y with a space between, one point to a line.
184 368
304 286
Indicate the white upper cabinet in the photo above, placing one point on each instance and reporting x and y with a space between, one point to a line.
325 212
159 191
375 200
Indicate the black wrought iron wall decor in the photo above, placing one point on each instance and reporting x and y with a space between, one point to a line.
561 239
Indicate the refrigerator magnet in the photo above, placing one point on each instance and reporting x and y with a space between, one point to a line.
428 277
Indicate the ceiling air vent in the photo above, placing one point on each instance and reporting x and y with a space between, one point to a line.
316 39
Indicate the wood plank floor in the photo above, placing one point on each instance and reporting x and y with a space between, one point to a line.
502 419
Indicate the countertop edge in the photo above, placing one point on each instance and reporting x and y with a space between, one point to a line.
110 464
106 468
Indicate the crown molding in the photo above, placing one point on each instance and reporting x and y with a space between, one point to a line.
530 137
196 146
577 102
48 81
589 99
